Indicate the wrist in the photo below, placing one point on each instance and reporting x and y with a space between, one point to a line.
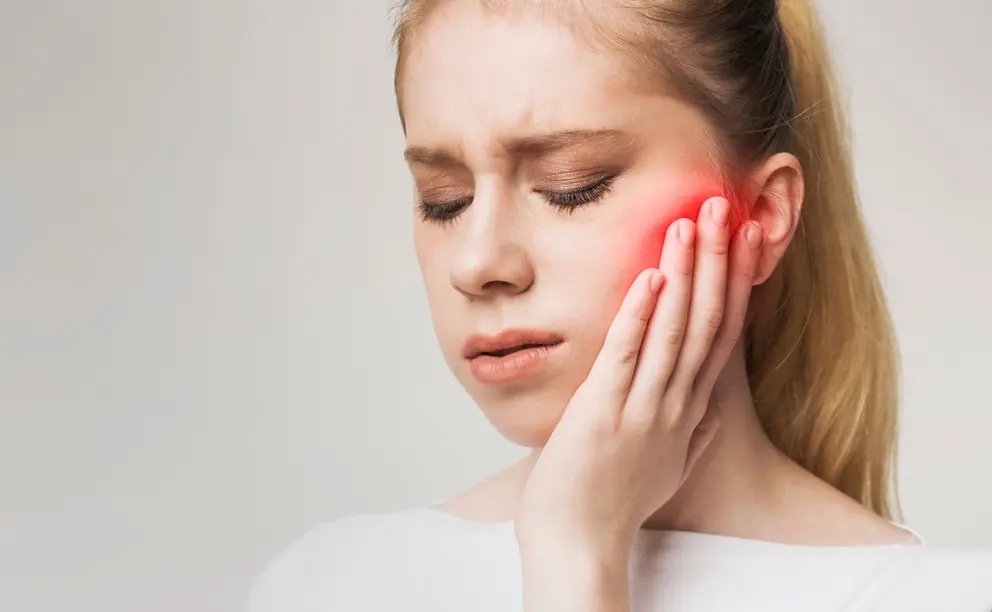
605 547
600 563
604 554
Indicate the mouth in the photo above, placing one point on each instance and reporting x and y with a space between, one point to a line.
513 356
508 342
510 350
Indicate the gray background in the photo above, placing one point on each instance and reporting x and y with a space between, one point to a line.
212 329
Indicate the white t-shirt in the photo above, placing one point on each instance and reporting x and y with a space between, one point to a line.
423 560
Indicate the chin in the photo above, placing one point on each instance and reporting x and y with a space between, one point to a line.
527 411
526 419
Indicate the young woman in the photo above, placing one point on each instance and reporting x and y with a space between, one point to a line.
642 248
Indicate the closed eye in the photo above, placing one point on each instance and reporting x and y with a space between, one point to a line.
572 199
442 213
569 200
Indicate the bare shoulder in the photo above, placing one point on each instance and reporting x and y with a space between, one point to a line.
812 512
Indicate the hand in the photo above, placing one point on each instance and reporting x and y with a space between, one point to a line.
633 430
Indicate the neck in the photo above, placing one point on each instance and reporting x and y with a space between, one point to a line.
742 486
741 477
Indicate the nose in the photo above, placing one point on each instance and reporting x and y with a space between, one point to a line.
491 256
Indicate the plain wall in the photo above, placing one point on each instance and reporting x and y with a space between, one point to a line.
213 333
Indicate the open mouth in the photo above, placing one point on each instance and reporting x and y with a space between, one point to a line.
512 357
513 349
509 342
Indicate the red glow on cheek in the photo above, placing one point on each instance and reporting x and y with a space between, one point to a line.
650 226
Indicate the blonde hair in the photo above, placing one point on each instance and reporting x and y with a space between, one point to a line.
821 354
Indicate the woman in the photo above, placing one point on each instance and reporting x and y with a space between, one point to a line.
640 240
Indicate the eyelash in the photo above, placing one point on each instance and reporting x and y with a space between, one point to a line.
445 213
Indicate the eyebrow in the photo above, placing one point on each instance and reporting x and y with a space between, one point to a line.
532 146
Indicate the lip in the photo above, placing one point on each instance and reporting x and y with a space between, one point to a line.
508 339
490 363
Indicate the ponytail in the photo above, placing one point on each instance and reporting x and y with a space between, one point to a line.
822 359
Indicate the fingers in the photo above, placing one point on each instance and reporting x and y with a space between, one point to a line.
614 367
706 307
667 327
743 267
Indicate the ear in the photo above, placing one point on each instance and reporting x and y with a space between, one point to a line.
776 195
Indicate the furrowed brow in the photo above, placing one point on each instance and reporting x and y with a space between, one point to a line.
543 144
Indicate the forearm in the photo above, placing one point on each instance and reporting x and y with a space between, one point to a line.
556 579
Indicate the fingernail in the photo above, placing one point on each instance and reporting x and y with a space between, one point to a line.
655 283
686 232
753 235
720 211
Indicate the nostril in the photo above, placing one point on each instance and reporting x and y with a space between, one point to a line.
499 286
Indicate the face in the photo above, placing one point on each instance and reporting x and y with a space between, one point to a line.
545 181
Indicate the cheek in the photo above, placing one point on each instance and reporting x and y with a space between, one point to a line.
622 250
648 225
646 229
650 229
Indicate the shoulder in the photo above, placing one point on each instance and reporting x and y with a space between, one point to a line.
343 564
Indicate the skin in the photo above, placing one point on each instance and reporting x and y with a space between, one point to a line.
622 417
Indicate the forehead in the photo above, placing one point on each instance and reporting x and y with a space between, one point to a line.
473 71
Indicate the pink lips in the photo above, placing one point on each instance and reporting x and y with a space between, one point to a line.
511 355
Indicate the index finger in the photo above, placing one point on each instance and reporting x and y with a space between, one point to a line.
614 367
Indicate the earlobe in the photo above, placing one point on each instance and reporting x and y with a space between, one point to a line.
777 207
